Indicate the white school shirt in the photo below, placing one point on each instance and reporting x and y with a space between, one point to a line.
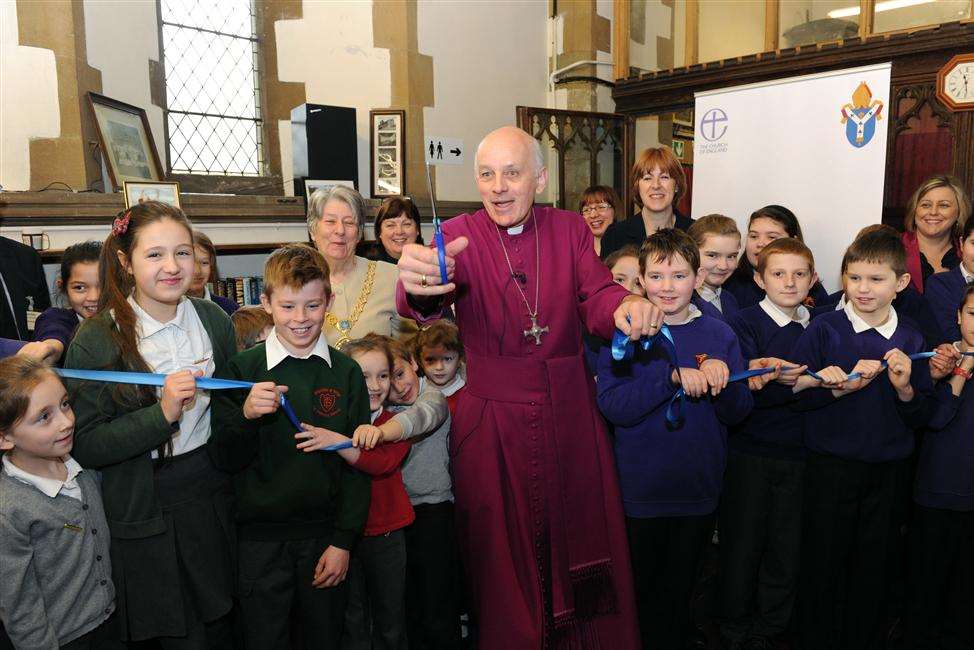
711 296
276 352
802 316
968 277
180 344
692 314
859 325
49 486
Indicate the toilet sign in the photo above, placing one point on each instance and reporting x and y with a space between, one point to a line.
444 151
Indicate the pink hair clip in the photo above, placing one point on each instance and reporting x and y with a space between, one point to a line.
121 224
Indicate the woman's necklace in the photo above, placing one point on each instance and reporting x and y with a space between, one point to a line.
345 325
535 330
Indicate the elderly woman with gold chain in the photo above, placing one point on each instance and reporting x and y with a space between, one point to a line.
364 291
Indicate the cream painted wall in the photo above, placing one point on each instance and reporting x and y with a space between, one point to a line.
730 28
28 100
658 17
121 38
488 57
331 50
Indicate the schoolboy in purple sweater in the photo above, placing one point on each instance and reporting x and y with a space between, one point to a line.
761 505
671 475
859 435
942 529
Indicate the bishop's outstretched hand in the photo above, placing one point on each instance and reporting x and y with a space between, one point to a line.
419 268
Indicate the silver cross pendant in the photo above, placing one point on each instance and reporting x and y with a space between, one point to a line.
535 331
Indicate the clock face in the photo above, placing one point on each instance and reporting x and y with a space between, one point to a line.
959 83
955 83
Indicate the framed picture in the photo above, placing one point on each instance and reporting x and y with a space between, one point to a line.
387 142
126 141
141 191
311 186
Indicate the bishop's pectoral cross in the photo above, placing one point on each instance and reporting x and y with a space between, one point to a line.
535 331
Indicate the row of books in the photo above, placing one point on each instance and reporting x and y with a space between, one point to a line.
243 291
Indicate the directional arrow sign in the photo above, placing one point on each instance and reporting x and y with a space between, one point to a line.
444 151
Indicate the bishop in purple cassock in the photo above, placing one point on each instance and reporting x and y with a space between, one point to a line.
539 513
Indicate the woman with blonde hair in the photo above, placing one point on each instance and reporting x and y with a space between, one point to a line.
934 219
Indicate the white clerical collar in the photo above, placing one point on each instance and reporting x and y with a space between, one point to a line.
693 313
147 325
859 325
49 486
712 296
276 352
780 318
516 230
967 275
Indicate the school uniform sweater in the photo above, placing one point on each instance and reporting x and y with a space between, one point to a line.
728 305
943 292
282 492
55 573
426 424
57 323
772 428
909 304
945 471
662 471
870 424
118 438
389 507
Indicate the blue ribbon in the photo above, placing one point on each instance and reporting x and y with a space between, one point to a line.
206 383
623 349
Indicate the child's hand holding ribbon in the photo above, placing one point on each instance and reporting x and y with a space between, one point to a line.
264 398
693 382
178 389
318 438
944 360
758 382
899 367
717 374
366 436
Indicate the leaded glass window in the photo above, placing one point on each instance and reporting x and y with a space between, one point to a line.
211 54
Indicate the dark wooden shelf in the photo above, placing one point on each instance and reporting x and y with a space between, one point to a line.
58 208
54 254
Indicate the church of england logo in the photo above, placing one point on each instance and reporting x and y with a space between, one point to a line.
860 116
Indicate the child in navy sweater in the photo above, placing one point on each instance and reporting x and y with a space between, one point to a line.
761 505
859 435
719 242
943 290
942 531
80 285
671 474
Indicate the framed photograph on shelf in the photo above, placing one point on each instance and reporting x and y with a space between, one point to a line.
312 186
387 140
126 141
141 191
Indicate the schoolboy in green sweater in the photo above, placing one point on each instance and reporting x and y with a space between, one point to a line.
298 514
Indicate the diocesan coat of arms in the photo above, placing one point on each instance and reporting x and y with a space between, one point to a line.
860 116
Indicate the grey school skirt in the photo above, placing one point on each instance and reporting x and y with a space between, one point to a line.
168 583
